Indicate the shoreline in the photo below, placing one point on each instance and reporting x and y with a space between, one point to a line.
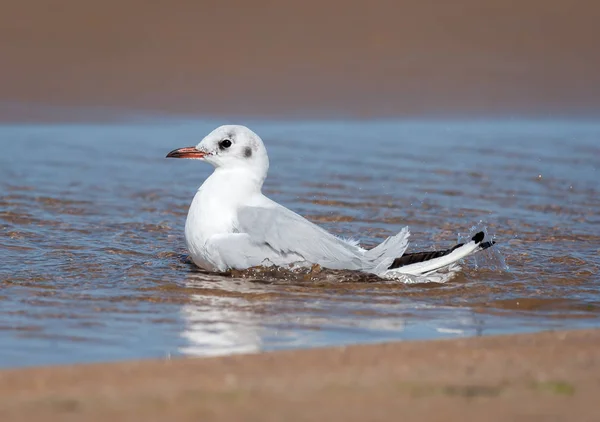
523 376
49 114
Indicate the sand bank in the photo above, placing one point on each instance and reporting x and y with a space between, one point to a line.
232 57
546 376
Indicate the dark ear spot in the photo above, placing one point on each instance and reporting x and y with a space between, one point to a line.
248 152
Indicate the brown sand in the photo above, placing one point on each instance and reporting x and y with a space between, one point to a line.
310 57
553 376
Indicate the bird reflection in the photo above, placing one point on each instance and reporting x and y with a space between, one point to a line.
228 315
220 319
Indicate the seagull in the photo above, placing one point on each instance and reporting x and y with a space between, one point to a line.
231 224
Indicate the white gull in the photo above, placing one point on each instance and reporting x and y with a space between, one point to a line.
232 225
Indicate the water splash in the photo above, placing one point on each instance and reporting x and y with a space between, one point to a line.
490 258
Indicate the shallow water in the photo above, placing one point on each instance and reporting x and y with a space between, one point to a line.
93 262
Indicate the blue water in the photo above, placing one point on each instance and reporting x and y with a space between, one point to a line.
93 262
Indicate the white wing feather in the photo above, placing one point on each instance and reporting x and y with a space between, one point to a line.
287 232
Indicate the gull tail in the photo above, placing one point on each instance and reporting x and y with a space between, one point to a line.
425 262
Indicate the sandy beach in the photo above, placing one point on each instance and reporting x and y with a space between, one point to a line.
546 376
309 58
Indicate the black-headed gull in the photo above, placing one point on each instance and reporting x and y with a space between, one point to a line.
232 225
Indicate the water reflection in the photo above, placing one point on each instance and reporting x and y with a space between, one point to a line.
228 314
215 324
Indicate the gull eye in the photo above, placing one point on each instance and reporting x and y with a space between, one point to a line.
224 144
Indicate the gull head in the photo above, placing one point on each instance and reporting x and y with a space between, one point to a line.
229 147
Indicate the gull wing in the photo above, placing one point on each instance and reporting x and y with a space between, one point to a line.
289 233
239 251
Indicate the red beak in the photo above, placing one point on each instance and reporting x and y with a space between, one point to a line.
187 152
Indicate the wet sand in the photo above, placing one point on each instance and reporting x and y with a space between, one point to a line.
545 376
311 58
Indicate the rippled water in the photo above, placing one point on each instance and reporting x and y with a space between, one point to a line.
93 263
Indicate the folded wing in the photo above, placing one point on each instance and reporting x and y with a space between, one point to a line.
289 233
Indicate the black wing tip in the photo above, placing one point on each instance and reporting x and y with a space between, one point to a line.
478 237
486 245
414 258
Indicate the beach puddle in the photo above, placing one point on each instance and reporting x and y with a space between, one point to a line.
94 268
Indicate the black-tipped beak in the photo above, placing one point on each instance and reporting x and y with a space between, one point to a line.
187 152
